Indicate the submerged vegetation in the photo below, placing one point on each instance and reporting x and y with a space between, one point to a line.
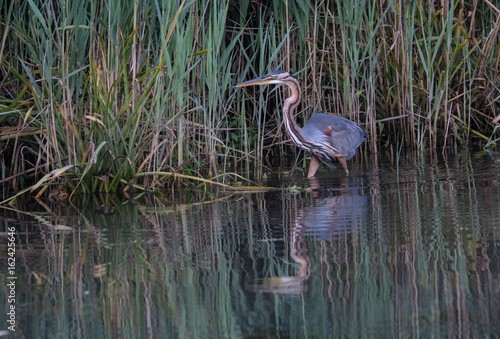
105 96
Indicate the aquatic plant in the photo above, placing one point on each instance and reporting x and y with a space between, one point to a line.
103 96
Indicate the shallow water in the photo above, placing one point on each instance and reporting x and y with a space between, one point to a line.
406 248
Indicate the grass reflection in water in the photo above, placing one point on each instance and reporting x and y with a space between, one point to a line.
407 249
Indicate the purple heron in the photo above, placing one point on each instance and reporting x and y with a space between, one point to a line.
327 137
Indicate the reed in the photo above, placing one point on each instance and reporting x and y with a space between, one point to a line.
95 94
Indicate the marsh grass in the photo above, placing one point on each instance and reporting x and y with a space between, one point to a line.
103 96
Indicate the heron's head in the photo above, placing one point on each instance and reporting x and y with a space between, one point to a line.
276 77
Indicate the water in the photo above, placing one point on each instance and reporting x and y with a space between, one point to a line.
406 248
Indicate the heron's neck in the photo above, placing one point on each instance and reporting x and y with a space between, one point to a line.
289 107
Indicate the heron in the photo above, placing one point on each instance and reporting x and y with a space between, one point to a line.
327 137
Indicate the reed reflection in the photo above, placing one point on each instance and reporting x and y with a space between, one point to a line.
410 249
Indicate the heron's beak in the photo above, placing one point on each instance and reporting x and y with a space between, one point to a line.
257 81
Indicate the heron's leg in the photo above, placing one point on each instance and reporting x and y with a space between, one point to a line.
313 166
342 161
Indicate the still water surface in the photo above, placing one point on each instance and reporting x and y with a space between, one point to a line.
407 248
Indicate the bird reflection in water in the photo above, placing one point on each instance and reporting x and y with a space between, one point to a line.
333 214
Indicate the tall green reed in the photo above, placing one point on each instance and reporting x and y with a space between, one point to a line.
103 96
110 89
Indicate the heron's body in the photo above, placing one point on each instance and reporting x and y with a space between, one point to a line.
327 137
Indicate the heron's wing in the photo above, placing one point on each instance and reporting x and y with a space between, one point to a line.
342 134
